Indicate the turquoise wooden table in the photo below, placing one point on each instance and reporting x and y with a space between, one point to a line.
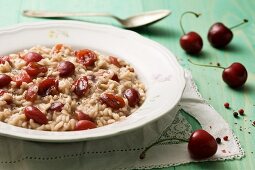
167 33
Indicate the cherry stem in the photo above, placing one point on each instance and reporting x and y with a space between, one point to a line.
188 12
142 155
244 21
205 65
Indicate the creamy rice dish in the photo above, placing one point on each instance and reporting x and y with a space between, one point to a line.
61 89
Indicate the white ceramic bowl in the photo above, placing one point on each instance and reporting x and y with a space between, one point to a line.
156 66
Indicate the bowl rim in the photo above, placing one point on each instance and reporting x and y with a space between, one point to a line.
84 25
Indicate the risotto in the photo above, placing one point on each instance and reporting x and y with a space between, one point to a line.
61 89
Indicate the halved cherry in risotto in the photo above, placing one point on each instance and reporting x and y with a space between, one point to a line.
4 80
112 101
31 93
34 113
22 77
48 86
56 106
132 96
32 57
1 92
86 57
57 48
33 69
84 125
81 86
114 61
82 116
115 78
66 68
4 59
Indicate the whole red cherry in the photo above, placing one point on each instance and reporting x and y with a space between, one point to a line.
220 36
191 42
235 75
202 145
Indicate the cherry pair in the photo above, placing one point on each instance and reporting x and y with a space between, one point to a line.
218 35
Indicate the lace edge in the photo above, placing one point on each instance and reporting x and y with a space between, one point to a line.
238 156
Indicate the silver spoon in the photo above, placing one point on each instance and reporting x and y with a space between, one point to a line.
135 21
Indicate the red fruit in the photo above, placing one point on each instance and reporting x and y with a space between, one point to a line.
4 80
56 106
58 47
202 145
86 57
32 57
132 96
66 68
112 101
48 86
220 36
23 77
81 86
33 69
235 75
84 125
34 113
115 78
82 116
191 42
31 93
114 61
4 59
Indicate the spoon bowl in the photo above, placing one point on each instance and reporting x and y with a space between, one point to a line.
139 20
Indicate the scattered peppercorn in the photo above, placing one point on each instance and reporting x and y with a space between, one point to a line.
218 64
241 112
218 140
226 105
225 138
235 114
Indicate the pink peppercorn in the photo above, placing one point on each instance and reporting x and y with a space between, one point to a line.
241 112
226 105
225 138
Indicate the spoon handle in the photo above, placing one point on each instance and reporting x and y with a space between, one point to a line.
49 14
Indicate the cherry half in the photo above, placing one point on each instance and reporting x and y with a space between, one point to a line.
235 75
202 144
191 42
220 36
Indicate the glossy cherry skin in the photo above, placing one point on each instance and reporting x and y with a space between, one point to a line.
202 145
235 75
219 35
191 42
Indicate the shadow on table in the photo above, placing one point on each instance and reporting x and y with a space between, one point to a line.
247 88
202 54
159 31
232 48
